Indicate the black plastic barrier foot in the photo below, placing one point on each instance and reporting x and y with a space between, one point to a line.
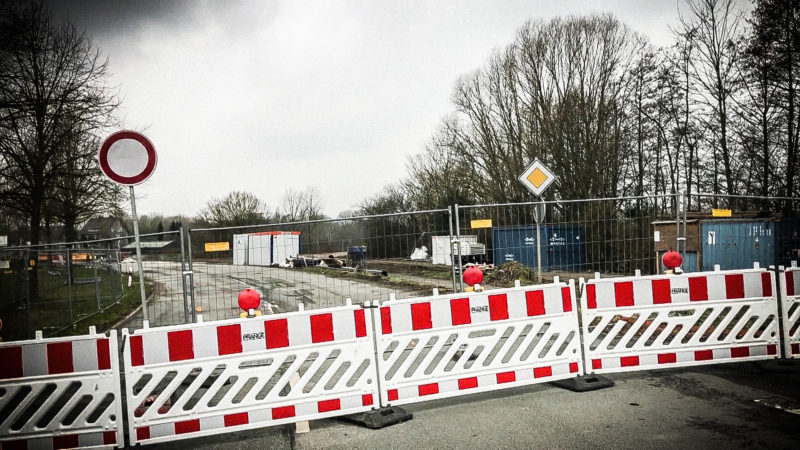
585 383
379 418
780 365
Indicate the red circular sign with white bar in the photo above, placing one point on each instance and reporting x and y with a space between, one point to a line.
127 157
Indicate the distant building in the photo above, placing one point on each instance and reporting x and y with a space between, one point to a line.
102 228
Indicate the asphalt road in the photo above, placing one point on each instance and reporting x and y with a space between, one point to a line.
727 405
217 286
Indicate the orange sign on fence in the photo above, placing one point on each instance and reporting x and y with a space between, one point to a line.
217 246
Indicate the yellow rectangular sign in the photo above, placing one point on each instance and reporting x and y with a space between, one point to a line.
720 213
481 223
217 246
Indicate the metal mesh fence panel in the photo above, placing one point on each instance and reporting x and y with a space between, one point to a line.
62 289
611 236
744 230
163 266
318 263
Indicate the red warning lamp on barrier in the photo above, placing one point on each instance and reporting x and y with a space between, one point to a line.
249 300
473 276
671 259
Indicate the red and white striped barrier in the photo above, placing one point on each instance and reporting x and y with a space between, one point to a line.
637 323
44 382
445 346
789 280
216 377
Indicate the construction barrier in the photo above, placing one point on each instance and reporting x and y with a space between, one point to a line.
60 393
637 323
208 378
789 279
216 377
445 346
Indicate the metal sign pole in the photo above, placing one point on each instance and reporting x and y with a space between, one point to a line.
138 255
538 216
537 178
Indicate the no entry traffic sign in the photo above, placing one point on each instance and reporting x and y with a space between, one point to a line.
127 157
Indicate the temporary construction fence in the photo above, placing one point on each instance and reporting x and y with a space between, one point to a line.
54 287
613 235
789 281
61 393
320 263
206 378
645 322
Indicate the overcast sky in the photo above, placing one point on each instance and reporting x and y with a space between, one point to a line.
262 96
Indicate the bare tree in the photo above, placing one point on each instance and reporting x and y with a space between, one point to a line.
300 205
52 86
235 209
52 89
775 45
558 93
713 27
81 191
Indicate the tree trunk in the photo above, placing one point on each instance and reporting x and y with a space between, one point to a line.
36 228
70 233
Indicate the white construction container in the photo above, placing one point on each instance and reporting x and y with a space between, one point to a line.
285 246
259 250
265 248
240 249
442 249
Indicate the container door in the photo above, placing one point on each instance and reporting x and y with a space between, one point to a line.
516 244
737 245
441 250
565 247
259 250
285 246
240 249
787 242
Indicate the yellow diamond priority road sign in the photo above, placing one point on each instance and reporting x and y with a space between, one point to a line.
537 177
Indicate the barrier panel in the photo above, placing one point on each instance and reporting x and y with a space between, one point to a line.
60 393
445 346
637 323
215 377
789 280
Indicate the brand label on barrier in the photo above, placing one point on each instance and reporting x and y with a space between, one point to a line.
679 289
253 336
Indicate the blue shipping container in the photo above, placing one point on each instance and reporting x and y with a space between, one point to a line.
737 244
562 246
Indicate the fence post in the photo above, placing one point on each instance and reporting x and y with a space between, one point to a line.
190 273
183 277
119 266
96 284
677 221
111 278
26 268
458 244
450 243
69 283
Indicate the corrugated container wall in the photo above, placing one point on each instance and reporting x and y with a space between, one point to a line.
562 246
735 244
787 242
